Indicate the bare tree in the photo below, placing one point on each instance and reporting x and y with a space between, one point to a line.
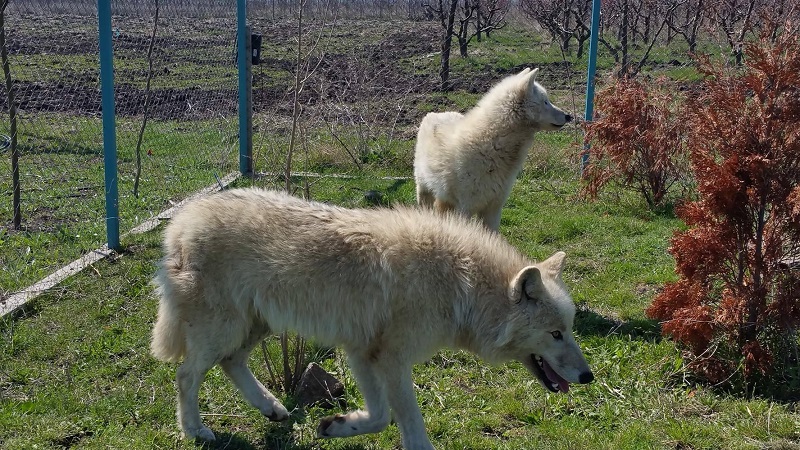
491 16
303 71
487 18
469 12
565 20
621 46
445 12
734 19
687 21
633 70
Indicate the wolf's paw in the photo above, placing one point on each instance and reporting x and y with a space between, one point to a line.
352 424
202 434
330 425
276 413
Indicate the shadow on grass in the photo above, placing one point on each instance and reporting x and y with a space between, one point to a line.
589 323
29 310
374 197
277 435
396 185
225 441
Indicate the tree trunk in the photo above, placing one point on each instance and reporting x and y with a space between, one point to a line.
12 113
581 44
444 71
623 32
478 20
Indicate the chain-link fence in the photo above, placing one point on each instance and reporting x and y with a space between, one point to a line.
178 74
338 93
176 93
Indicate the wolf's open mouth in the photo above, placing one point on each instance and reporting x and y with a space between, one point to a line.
549 378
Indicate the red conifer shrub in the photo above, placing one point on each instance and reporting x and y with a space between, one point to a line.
637 140
736 304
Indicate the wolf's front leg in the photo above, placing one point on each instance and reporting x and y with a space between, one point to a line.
406 411
490 216
374 418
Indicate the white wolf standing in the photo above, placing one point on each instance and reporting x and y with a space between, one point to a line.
390 286
468 162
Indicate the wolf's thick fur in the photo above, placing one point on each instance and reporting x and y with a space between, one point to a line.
390 286
468 162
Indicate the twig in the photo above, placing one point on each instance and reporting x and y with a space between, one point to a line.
296 102
12 113
287 371
267 362
138 174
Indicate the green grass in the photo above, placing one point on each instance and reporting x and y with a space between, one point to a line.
75 368
47 67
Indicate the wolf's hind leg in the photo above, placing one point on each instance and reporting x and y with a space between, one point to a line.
425 197
235 367
374 417
189 376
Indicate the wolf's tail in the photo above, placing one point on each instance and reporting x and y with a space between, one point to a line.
169 338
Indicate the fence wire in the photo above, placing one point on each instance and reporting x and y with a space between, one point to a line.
176 93
185 88
343 84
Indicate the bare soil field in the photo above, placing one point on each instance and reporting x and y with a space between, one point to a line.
194 70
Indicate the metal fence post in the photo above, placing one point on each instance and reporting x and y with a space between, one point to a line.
589 113
109 121
245 90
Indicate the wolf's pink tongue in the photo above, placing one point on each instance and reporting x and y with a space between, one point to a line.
563 385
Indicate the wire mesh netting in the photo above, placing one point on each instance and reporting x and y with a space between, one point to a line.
337 95
178 74
176 93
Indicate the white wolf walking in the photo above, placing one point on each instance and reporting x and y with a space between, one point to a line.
390 286
468 162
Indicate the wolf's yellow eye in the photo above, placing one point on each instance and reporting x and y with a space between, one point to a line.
557 335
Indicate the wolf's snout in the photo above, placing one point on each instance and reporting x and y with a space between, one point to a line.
568 119
586 377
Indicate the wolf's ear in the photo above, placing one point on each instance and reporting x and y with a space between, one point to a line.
526 284
554 264
527 78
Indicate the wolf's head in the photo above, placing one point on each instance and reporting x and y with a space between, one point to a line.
539 333
536 104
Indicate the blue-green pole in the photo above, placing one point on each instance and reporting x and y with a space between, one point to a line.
589 115
244 107
109 122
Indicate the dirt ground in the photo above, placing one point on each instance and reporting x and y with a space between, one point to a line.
354 61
